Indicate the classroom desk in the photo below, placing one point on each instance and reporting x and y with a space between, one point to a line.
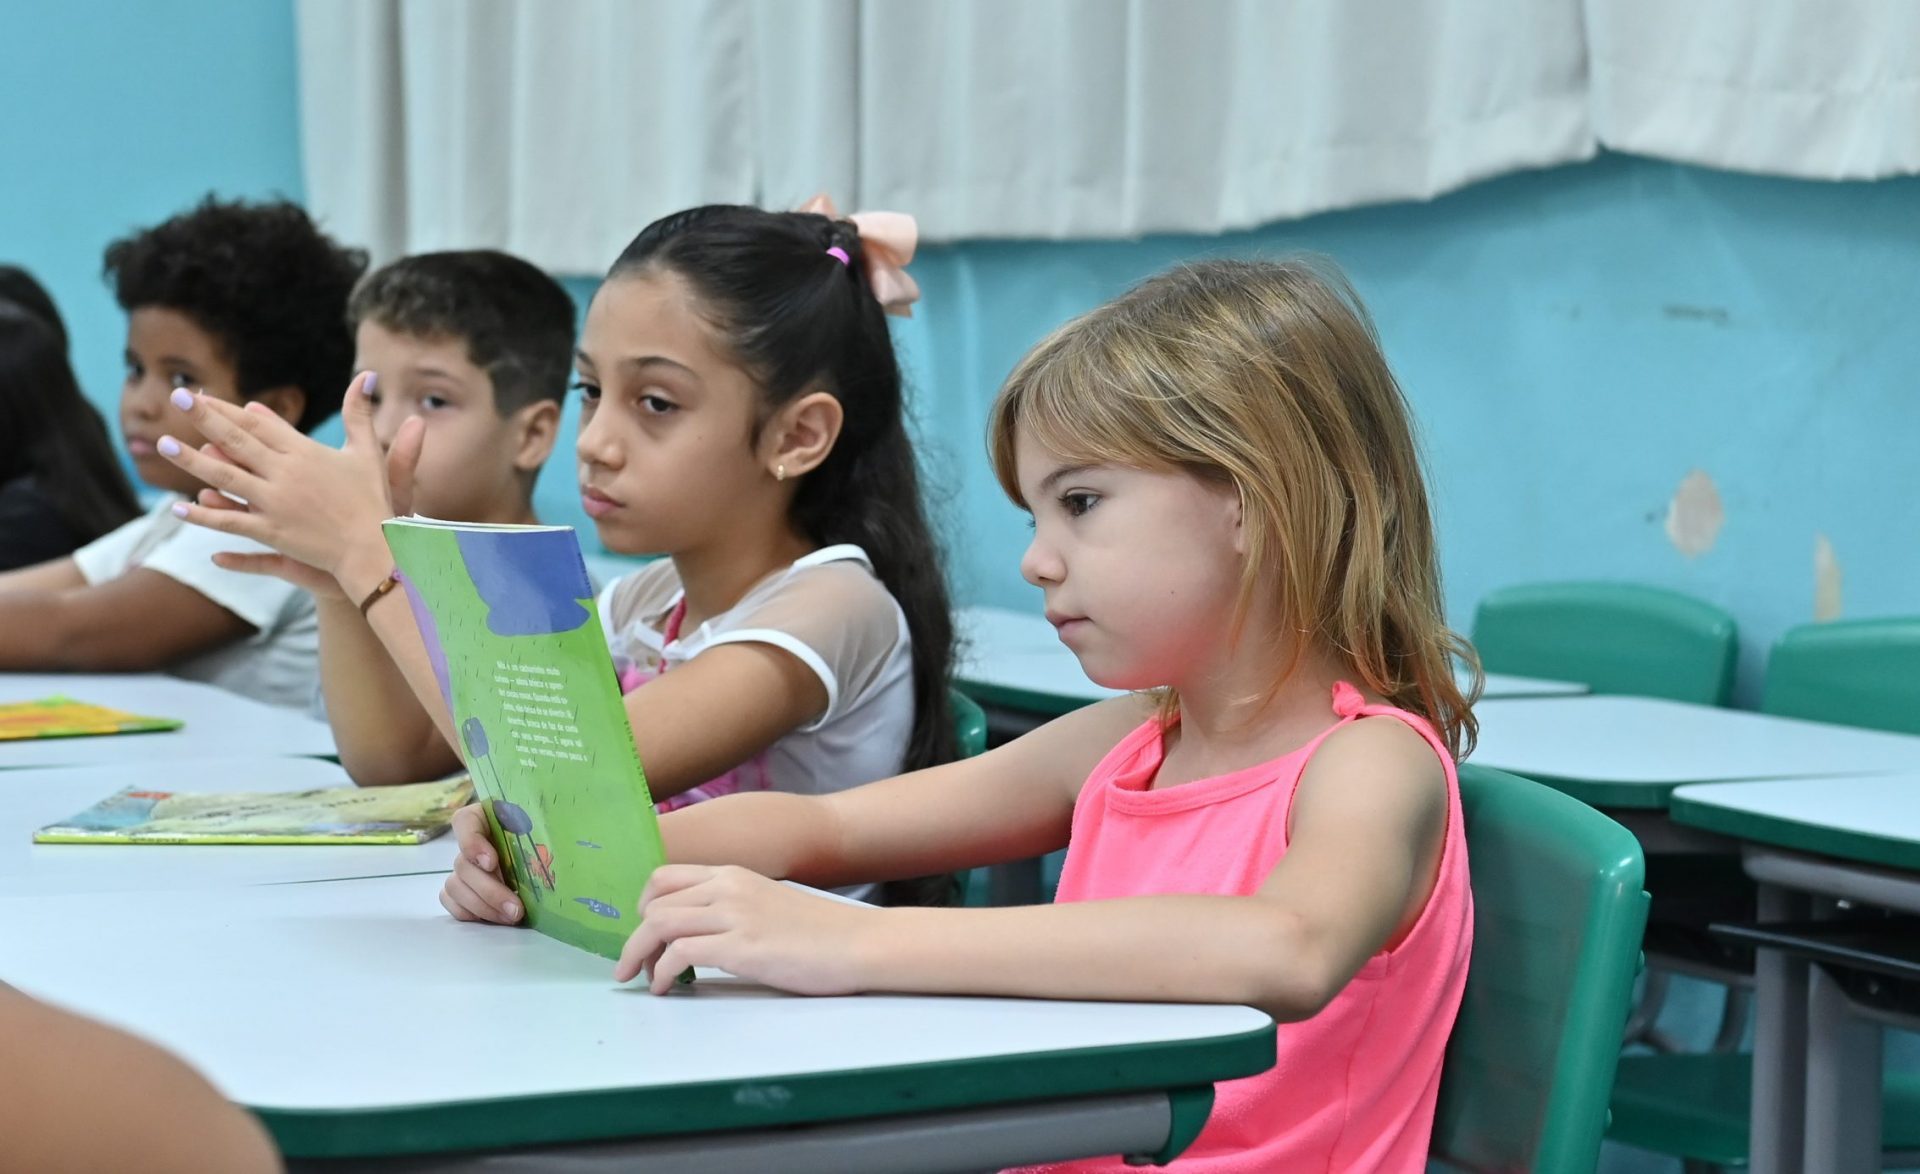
1014 660
36 798
218 723
361 1022
1816 1090
1631 752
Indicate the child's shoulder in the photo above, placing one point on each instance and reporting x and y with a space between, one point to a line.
832 590
642 592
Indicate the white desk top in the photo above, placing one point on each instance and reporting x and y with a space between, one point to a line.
36 798
1018 653
245 982
1872 819
1618 745
219 723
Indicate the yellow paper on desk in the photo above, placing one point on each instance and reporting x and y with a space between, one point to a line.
63 717
406 814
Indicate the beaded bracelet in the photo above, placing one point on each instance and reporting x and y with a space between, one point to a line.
387 584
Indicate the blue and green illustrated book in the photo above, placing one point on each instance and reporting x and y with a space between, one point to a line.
509 621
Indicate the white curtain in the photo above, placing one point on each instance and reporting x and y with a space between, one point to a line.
1822 89
556 128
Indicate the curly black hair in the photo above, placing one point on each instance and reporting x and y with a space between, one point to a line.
260 278
515 321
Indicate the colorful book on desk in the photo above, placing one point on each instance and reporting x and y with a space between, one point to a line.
63 717
333 815
508 617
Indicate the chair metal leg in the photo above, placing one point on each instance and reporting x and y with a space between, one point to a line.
1733 1020
1646 1012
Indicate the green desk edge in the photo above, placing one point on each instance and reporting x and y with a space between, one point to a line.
1597 793
1854 846
1185 1069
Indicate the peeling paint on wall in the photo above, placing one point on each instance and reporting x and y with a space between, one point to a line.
1695 515
1826 580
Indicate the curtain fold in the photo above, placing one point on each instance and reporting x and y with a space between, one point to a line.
1826 90
556 130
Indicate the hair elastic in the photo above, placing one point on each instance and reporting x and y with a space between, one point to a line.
839 254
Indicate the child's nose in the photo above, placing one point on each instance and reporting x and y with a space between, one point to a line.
596 445
1041 564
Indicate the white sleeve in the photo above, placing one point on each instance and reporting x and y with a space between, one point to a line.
836 618
187 557
109 556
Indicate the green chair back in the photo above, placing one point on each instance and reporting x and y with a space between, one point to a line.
1611 637
1558 914
1852 672
969 725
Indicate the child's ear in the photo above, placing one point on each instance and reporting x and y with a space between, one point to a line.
801 434
535 428
288 403
1237 518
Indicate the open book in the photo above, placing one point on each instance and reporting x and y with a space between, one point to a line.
63 717
508 617
331 815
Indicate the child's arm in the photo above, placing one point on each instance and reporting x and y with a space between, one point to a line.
141 620
384 734
1368 823
53 575
78 1095
1010 803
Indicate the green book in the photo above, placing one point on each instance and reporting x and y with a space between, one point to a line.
509 621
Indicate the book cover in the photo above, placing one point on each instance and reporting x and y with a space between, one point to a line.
332 815
508 617
63 717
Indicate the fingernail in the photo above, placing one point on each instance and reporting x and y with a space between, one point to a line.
168 446
485 861
179 509
182 399
367 387
512 910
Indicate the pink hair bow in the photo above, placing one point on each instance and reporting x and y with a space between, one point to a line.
887 241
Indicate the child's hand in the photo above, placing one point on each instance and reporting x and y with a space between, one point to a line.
475 891
745 924
317 506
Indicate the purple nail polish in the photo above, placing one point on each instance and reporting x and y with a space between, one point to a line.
182 399
179 509
168 446
366 388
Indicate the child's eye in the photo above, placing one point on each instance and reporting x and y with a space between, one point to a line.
589 392
433 403
657 406
1077 504
180 380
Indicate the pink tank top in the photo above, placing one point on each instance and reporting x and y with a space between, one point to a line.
1353 1088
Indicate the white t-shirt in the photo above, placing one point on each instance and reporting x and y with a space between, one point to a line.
279 663
829 610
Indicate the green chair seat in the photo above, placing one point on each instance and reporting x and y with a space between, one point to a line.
1851 672
1612 637
1697 1107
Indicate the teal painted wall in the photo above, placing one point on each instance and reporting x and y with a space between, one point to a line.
116 115
1574 341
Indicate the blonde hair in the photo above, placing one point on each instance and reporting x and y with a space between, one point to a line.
1267 376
